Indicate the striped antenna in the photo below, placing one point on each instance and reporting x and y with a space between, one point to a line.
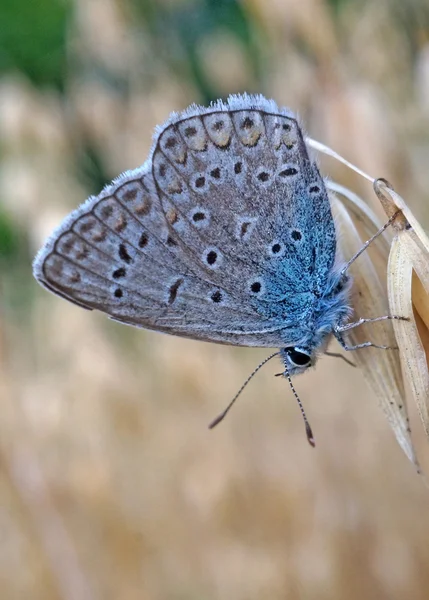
223 414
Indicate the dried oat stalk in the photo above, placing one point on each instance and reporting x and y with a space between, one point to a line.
392 277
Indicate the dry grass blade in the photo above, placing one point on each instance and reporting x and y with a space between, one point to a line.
408 285
411 349
418 254
381 368
329 152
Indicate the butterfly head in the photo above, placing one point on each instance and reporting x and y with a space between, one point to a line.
297 359
330 309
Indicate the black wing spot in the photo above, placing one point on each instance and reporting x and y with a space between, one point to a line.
218 126
215 173
217 296
174 288
238 167
123 254
211 257
255 287
198 216
118 293
296 235
162 170
263 176
121 272
144 240
286 127
200 182
171 241
315 189
275 248
288 172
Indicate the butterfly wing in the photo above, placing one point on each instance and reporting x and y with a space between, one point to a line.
222 235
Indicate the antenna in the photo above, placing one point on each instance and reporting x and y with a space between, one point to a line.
223 414
308 430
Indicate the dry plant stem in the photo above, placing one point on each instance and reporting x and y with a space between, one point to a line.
382 369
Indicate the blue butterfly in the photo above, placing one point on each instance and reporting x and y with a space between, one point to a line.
225 234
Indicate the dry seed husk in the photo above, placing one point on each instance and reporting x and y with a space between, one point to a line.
407 335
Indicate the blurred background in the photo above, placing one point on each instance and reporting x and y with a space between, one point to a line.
111 486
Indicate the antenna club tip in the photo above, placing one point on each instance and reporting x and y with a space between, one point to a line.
310 436
216 421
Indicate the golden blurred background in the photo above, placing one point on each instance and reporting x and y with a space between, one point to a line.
111 486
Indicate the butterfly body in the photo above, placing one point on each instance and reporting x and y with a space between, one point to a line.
225 234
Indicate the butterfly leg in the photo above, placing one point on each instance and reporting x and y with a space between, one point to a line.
338 355
340 329
363 345
348 326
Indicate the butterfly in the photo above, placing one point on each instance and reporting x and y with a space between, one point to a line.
225 234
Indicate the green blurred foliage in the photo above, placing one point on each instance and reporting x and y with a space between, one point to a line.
9 240
16 289
176 31
33 39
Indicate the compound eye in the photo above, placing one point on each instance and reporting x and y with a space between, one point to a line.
298 357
